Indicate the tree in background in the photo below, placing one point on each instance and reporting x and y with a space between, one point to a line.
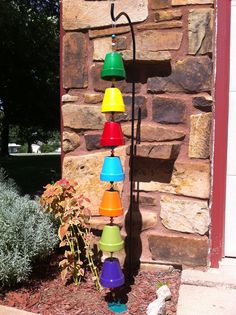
29 63
48 140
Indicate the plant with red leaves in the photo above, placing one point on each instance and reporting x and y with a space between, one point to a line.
67 204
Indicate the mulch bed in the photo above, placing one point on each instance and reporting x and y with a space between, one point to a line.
46 293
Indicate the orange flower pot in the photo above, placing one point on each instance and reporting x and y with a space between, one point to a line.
111 204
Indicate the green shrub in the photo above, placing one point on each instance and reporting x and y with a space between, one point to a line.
48 147
6 183
26 234
23 148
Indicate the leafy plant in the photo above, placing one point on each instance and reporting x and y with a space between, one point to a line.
23 148
49 147
26 234
64 201
6 183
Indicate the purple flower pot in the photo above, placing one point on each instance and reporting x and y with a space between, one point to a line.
112 275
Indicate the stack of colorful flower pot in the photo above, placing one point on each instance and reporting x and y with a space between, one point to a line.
111 240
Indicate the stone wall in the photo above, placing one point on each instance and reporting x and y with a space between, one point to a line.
174 81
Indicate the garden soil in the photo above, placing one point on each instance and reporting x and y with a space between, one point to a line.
47 294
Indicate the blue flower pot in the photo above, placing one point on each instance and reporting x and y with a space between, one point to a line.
112 170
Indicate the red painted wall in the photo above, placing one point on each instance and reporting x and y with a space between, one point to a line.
222 55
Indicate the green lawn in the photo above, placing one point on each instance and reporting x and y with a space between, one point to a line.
32 172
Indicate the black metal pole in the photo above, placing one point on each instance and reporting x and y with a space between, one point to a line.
114 19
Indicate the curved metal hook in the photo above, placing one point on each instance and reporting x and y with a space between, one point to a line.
116 18
112 12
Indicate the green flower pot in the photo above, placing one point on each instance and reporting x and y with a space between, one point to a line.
113 68
111 240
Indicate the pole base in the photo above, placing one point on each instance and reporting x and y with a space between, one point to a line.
117 307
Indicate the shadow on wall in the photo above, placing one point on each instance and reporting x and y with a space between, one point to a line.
133 221
145 170
143 71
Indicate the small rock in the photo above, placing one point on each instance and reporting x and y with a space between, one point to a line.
167 15
154 132
101 47
163 293
74 61
152 40
203 103
160 4
165 151
71 140
93 98
82 14
187 249
147 56
200 28
192 74
156 307
92 141
76 116
168 110
200 134
185 215
66 98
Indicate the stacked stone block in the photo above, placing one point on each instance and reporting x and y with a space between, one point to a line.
173 85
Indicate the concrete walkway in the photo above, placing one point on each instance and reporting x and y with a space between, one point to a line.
209 293
4 310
